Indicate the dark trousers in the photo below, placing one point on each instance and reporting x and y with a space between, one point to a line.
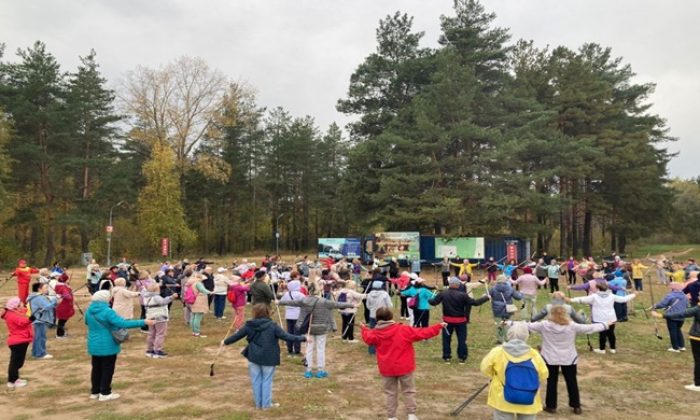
210 299
371 349
572 276
638 285
675 333
219 305
608 335
102 373
348 327
569 373
143 316
553 285
461 331
695 347
404 306
445 275
18 354
421 317
61 328
621 311
366 313
293 347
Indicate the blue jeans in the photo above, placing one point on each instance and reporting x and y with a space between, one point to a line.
675 332
461 331
261 380
219 305
39 343
372 323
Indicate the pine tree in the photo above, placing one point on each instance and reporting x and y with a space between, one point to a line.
160 212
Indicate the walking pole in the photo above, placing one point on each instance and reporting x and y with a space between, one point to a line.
656 325
462 406
277 305
221 346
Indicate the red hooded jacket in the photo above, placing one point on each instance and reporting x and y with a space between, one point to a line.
19 327
394 343
65 309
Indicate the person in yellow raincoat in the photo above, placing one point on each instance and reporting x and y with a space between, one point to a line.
515 350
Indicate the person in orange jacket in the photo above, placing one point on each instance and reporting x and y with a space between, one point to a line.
24 277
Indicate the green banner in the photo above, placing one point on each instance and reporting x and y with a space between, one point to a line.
472 248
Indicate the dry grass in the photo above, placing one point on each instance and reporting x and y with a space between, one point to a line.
642 380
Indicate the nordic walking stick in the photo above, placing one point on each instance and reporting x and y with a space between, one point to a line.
221 346
656 325
462 406
277 305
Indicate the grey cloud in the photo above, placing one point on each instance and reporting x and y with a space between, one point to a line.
300 54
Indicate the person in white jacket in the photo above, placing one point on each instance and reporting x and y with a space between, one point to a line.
291 314
376 299
559 352
603 310
348 295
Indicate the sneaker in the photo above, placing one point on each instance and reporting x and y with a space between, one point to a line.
682 349
11 385
94 396
393 418
412 417
577 410
550 410
150 353
308 374
160 355
692 387
321 374
462 361
353 341
108 397
671 349
599 351
19 383
447 361
613 351
45 357
223 317
142 332
61 337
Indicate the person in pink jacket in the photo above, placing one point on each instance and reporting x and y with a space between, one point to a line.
240 291
528 284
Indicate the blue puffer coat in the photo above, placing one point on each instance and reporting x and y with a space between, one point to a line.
101 320
502 294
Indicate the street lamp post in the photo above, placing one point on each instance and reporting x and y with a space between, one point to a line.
277 235
109 233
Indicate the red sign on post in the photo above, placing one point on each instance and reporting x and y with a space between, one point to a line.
109 229
512 251
164 246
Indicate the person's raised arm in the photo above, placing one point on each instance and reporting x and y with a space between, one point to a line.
237 335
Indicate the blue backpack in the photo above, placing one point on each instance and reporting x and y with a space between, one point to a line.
522 383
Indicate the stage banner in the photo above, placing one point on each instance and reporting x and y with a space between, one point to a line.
472 248
402 245
339 247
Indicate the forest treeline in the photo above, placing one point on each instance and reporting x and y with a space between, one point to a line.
478 135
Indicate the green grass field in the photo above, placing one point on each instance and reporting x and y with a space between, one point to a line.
642 380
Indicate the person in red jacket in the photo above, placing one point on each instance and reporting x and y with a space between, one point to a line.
24 277
20 334
396 358
65 308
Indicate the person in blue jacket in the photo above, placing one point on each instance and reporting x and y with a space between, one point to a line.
421 312
674 303
42 307
618 280
101 320
502 295
262 352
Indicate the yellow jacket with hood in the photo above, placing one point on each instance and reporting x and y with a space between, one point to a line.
494 367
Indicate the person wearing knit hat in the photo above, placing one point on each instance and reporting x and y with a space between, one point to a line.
24 277
674 303
528 285
456 308
19 335
376 299
494 365
101 320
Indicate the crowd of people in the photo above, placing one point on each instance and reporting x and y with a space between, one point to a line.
309 292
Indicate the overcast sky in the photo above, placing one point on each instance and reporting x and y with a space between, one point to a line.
300 54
